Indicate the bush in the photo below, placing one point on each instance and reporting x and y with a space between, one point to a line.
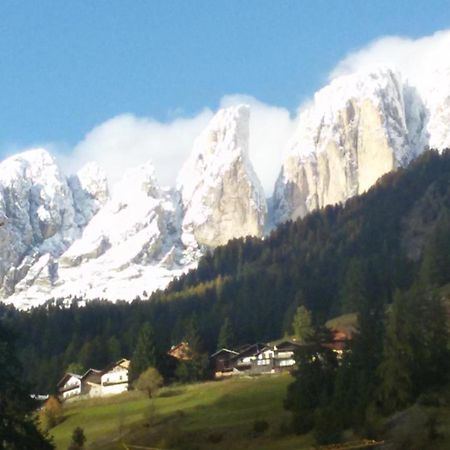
78 439
215 437
260 426
149 382
431 399
327 428
51 414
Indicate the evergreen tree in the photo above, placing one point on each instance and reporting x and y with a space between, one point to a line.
415 348
436 262
78 439
313 384
145 354
357 379
354 287
396 389
302 324
225 339
18 430
114 349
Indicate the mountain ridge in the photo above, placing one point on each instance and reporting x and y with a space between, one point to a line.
69 236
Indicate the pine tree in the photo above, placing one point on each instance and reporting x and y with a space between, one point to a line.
354 288
415 349
436 263
313 385
225 339
302 324
145 354
357 378
395 370
18 430
114 349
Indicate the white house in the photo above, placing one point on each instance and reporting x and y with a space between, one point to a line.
115 378
69 386
95 383
91 383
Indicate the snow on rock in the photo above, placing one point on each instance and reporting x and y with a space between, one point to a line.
120 249
62 237
89 190
356 129
221 195
37 214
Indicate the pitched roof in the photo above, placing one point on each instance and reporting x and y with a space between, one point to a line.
89 371
66 376
251 350
224 350
123 363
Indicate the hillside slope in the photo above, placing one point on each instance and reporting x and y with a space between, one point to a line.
377 239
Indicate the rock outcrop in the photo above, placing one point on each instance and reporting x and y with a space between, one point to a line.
221 195
354 131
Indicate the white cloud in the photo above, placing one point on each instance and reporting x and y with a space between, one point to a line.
412 57
270 129
126 141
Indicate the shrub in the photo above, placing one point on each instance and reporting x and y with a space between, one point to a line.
51 414
327 428
149 381
215 437
78 439
260 426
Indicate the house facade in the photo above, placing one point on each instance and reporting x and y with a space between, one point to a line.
95 383
223 362
114 379
91 383
275 357
69 386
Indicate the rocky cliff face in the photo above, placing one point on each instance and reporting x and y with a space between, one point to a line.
70 237
355 130
221 195
42 214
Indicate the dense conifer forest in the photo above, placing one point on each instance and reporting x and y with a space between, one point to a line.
360 257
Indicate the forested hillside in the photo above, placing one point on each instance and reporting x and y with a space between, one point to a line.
330 261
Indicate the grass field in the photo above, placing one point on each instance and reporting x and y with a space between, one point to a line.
213 415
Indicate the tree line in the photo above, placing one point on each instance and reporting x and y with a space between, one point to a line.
339 259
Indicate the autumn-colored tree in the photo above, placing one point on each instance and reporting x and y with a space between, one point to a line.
51 414
149 381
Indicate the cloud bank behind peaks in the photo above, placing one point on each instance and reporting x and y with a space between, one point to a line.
127 141
412 57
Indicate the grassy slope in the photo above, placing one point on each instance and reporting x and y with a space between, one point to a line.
188 415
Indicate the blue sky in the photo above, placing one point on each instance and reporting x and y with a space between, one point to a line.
67 66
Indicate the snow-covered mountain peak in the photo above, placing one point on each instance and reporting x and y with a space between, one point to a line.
71 236
94 181
221 195
138 181
225 139
354 131
35 165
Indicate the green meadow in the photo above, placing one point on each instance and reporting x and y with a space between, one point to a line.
244 413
